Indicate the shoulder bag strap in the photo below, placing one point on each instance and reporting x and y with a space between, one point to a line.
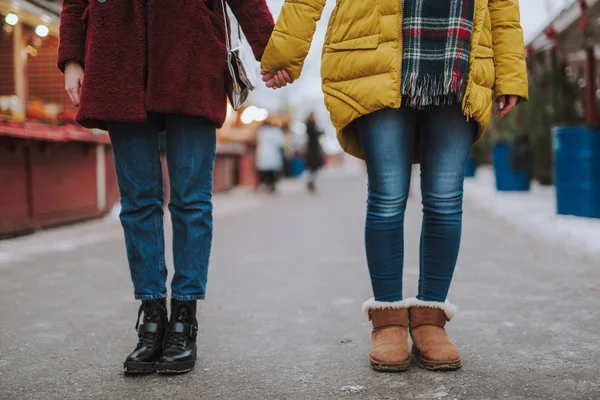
227 38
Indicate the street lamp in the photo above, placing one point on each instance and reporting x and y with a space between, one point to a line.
42 31
254 113
11 19
261 114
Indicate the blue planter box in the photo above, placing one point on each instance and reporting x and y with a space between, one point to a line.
577 170
296 167
507 179
470 169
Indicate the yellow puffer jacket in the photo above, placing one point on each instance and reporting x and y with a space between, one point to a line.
362 56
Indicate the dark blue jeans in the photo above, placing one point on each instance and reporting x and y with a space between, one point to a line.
387 139
191 145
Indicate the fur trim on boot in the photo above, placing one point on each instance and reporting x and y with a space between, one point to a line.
372 304
448 308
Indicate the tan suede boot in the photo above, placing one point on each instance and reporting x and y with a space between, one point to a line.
431 344
389 348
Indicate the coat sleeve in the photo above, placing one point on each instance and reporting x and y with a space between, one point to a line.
509 48
256 21
291 39
72 33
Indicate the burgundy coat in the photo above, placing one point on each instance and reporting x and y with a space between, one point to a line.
184 51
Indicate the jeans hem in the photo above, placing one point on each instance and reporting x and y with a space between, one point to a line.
429 299
188 297
150 296
393 299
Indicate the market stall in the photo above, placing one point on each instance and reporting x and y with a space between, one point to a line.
51 170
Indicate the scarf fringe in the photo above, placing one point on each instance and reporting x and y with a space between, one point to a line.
428 91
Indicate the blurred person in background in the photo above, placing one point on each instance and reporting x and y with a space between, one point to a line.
134 68
409 81
288 149
314 157
269 155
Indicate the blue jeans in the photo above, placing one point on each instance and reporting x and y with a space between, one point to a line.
191 145
387 138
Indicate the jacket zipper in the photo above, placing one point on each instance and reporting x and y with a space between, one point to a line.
467 100
333 18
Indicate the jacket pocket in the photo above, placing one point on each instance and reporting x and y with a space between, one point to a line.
353 20
483 52
363 43
483 69
343 98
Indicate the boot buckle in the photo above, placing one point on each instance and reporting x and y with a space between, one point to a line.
149 327
190 330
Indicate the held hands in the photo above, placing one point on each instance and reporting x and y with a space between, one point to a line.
73 81
506 104
276 80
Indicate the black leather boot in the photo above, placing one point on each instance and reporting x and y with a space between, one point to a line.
151 334
179 349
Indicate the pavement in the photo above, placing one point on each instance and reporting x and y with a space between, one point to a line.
282 318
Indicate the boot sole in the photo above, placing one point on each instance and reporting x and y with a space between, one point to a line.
175 367
139 368
436 365
377 366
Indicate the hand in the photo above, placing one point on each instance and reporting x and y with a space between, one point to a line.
73 81
276 80
506 104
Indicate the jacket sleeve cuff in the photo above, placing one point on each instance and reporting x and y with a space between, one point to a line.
67 54
285 52
512 90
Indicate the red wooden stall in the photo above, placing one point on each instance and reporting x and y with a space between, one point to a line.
51 170
50 175
14 187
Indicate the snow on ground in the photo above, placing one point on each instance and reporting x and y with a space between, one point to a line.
534 213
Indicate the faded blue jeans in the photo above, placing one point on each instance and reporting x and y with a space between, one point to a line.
387 138
191 145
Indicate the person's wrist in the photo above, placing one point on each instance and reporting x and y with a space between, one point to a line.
72 63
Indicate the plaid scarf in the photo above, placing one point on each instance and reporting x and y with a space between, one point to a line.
437 44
